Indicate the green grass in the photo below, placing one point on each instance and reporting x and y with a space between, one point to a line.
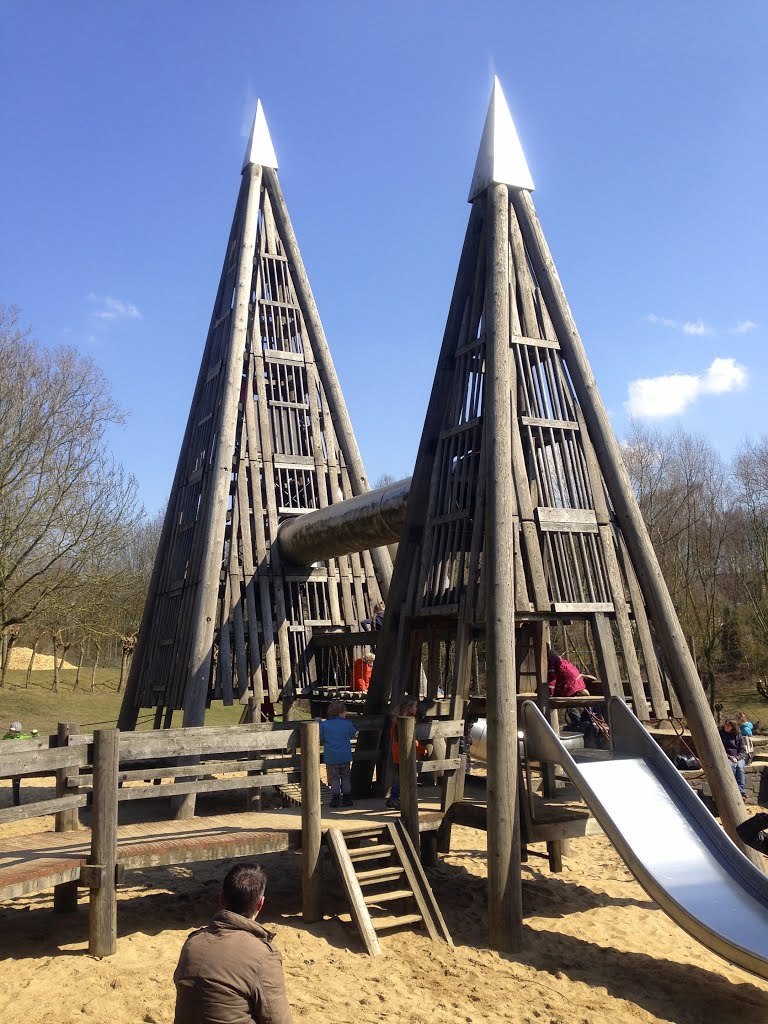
40 708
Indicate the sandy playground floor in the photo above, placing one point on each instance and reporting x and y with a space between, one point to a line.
597 951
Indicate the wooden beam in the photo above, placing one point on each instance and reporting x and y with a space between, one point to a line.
102 910
505 909
311 820
216 490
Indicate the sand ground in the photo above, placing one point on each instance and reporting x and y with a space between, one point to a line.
597 951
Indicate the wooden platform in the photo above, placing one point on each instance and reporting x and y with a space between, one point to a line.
556 818
39 861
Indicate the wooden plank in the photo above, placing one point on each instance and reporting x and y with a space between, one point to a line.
200 786
590 607
517 339
581 520
42 807
422 890
353 892
541 421
16 762
138 746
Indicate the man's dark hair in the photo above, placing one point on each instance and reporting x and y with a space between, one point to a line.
243 888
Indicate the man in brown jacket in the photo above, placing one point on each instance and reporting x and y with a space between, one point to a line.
228 972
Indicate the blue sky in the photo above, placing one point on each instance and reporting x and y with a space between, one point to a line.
644 124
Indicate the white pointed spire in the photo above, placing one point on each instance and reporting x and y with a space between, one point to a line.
500 157
260 149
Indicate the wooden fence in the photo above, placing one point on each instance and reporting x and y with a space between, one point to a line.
109 768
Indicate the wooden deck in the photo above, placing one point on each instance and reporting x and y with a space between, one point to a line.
32 862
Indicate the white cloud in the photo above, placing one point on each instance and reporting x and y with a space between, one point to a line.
743 327
722 376
697 327
660 321
671 394
113 309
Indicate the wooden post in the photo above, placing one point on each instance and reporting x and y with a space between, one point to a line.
311 822
102 911
65 894
252 796
215 494
663 615
505 909
409 797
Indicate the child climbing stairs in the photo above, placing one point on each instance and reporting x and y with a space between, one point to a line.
384 869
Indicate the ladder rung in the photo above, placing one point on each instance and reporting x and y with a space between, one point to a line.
374 875
381 924
371 852
387 897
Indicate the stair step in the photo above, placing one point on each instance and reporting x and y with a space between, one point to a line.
371 852
381 924
386 897
375 875
364 832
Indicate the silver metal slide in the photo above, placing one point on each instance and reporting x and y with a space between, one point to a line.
665 835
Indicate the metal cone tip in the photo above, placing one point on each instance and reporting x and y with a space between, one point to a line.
500 157
260 149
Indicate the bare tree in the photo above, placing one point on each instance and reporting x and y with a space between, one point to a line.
750 546
63 500
685 493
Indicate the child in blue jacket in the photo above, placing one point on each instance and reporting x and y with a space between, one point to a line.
336 734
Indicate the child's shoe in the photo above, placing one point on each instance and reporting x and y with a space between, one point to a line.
393 805
334 802
347 801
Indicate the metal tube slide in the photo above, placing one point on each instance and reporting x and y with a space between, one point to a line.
369 520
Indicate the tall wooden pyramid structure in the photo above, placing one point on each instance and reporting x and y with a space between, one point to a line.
521 516
268 438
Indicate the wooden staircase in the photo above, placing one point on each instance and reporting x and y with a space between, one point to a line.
384 869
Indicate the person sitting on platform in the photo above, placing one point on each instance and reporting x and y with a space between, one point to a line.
754 832
564 679
229 970
362 670
377 619
735 750
407 708
336 734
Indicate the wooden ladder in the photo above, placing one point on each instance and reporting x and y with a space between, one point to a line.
384 869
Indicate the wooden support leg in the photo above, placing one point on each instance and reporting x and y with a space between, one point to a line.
102 910
311 823
409 798
429 855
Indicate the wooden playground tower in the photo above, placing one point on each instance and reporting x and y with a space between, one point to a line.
520 517
268 438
